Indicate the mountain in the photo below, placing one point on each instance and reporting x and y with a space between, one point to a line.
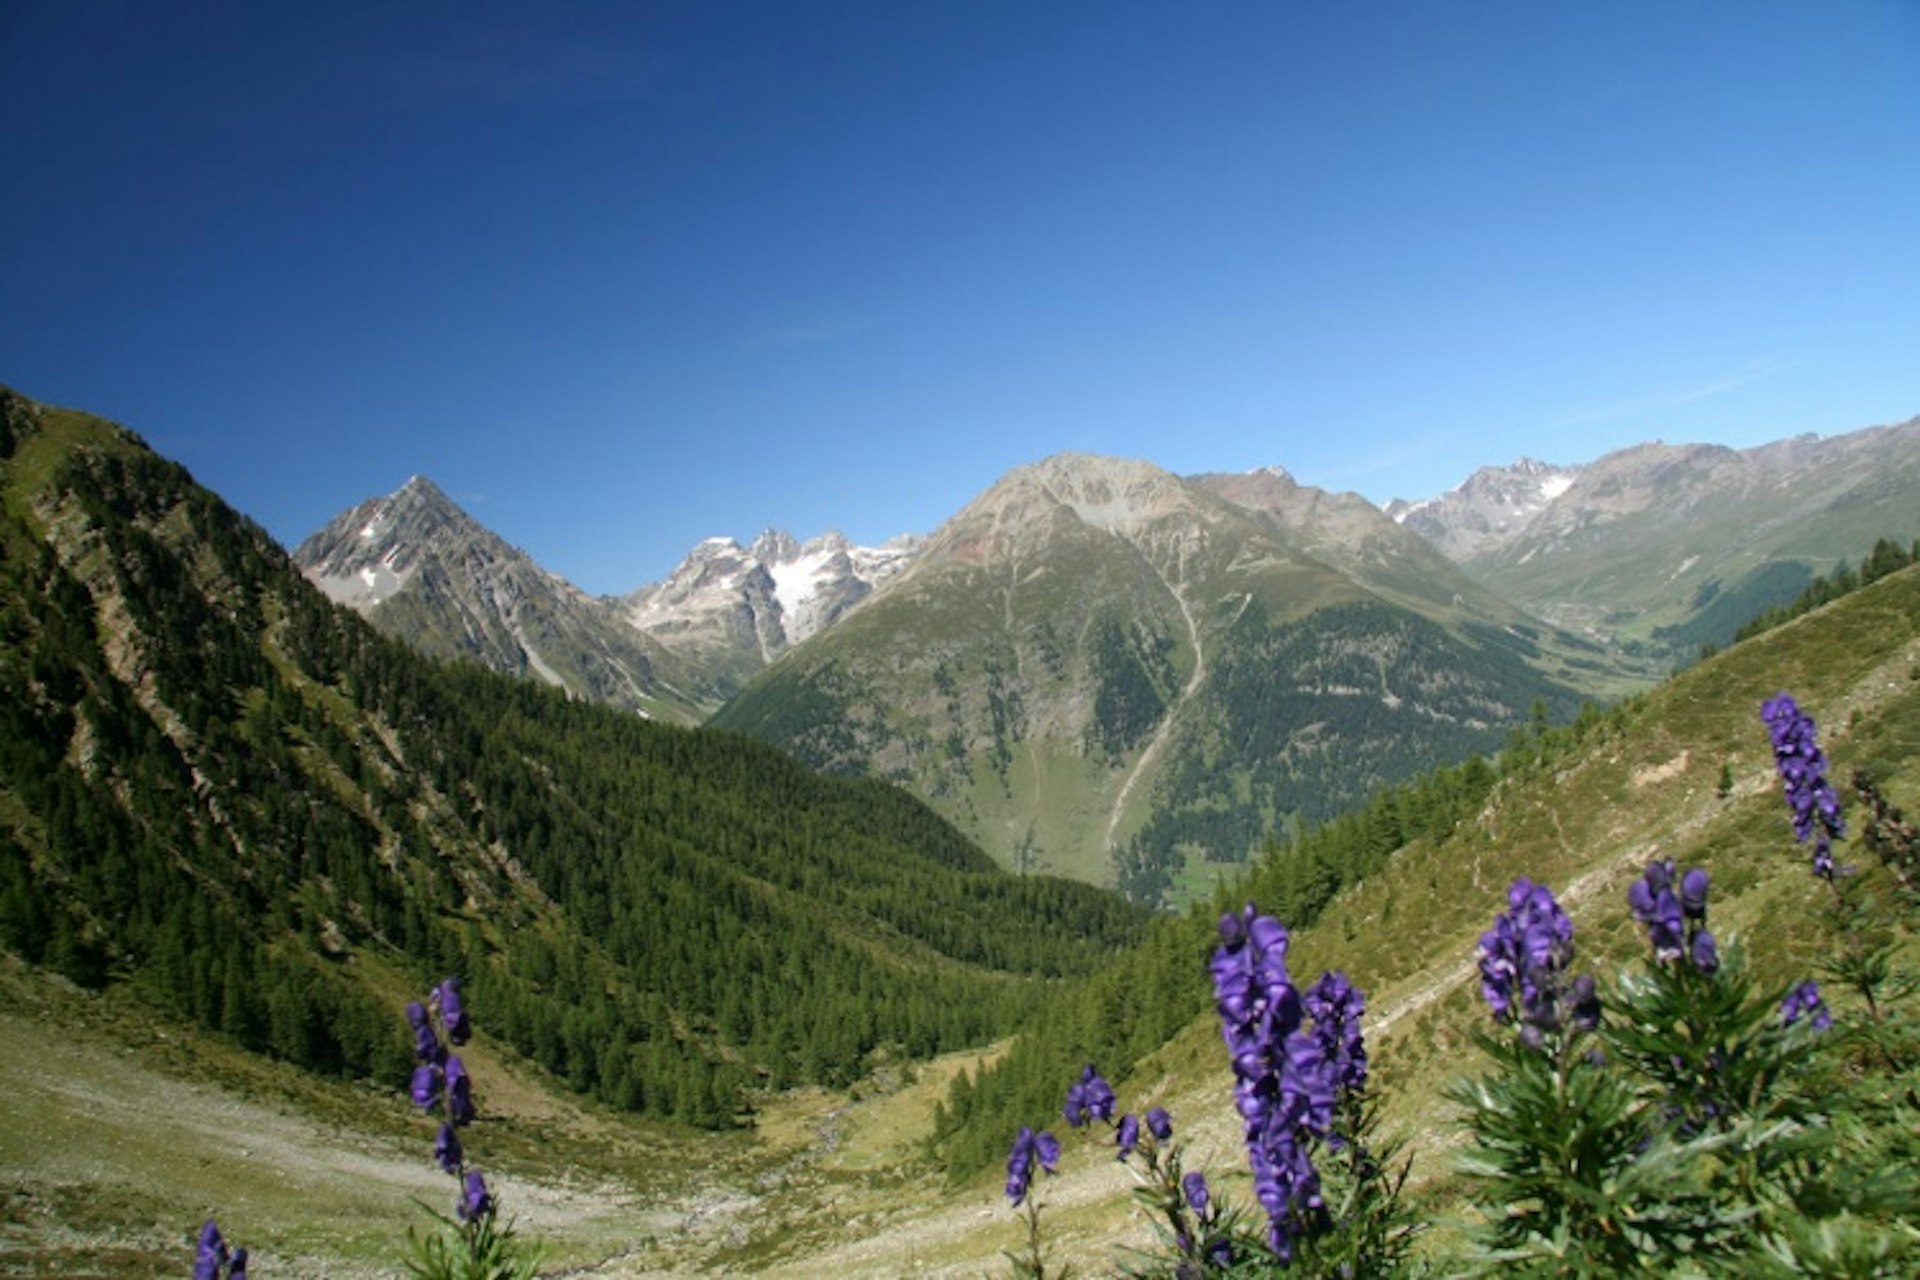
222 791
1663 548
422 569
730 610
1491 507
1102 668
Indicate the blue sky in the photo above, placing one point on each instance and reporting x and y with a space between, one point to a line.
621 276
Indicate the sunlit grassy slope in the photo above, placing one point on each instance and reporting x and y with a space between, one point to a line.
1644 784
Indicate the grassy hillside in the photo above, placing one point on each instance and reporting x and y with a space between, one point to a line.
1581 809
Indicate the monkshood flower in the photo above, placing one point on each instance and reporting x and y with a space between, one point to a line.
459 1092
475 1200
1089 1098
1675 914
1693 894
447 1152
1194 1186
1523 968
441 1081
1654 903
1284 1081
1159 1123
1029 1147
1803 779
1804 1002
428 1079
1704 952
453 1014
1126 1134
426 1044
1335 1005
213 1261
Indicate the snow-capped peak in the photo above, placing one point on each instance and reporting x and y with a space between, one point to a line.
779 590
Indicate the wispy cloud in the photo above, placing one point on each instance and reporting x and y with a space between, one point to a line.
1673 398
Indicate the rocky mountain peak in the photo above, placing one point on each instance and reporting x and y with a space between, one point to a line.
365 555
775 545
1489 507
739 608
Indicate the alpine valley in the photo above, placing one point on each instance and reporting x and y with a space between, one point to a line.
733 1015
1134 678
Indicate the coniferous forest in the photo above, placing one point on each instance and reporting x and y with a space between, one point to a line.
237 796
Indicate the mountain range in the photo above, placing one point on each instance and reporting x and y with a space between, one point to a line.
1660 549
1098 660
1130 676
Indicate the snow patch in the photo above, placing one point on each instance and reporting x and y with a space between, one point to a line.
1553 486
796 581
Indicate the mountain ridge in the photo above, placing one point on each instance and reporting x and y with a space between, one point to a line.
1038 668
422 568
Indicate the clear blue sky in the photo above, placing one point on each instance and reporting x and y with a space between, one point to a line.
621 276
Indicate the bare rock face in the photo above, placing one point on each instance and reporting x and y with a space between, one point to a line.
1489 509
417 566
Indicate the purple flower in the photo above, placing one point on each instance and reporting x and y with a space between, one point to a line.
211 1259
1523 964
1194 1185
1803 780
459 1092
452 1013
212 1253
1693 893
1159 1123
1284 1080
475 1201
1705 954
1652 901
1804 1002
426 1045
1335 1005
446 1149
1029 1146
426 1086
1127 1135
1676 921
1088 1098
